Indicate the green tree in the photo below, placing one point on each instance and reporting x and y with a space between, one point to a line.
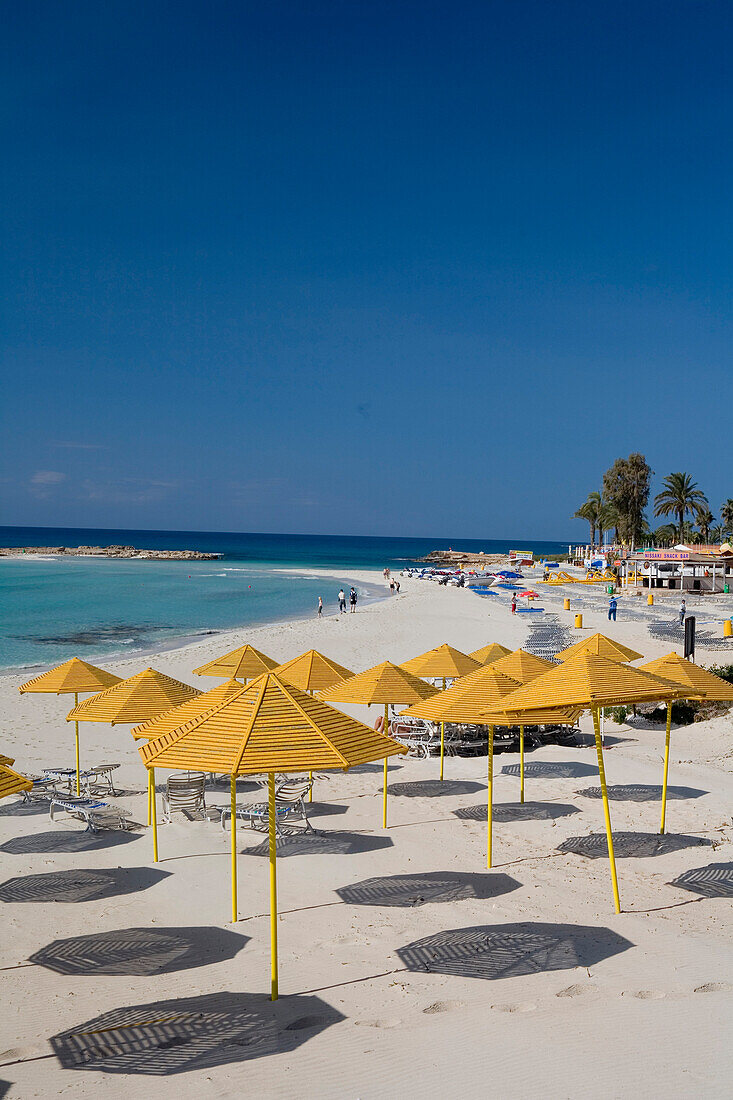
626 489
705 520
716 534
606 519
665 535
679 497
589 511
726 517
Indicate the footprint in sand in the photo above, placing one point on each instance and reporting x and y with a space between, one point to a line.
525 1006
442 1006
379 1023
714 987
574 990
647 994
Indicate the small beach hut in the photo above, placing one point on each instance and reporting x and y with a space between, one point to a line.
588 681
446 663
268 726
602 646
694 683
244 664
490 653
12 782
134 700
384 683
75 678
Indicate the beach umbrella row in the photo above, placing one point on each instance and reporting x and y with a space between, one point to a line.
442 663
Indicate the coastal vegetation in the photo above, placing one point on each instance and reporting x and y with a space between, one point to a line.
620 505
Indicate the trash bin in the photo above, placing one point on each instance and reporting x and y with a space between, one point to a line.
650 599
727 628
726 587
566 604
578 622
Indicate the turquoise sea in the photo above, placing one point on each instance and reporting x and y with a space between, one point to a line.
51 610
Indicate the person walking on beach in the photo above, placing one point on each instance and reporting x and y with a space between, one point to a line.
391 587
342 601
397 587
352 599
682 613
612 605
320 606
514 603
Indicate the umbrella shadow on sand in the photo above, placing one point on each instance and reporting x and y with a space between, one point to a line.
71 840
713 881
434 788
630 845
641 792
139 951
518 811
548 769
192 1033
409 891
81 885
316 844
511 950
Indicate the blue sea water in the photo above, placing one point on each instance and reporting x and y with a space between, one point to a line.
94 608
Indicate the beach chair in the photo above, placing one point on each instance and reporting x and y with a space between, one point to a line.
94 813
290 802
100 777
43 789
185 792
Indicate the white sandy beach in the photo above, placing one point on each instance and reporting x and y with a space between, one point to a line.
571 1001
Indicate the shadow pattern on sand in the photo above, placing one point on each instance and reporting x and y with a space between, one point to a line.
640 792
81 885
70 840
511 950
630 845
139 952
192 1033
331 843
434 788
410 891
548 769
518 811
713 881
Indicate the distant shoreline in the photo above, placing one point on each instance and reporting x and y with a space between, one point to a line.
128 552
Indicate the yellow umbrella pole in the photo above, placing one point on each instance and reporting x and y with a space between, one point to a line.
521 763
489 804
150 799
384 795
442 741
273 887
233 797
606 811
310 792
666 764
154 814
76 724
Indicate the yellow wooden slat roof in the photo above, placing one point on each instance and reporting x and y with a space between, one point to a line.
312 671
192 708
269 726
588 680
12 783
71 677
603 646
8 761
468 699
698 682
490 653
136 699
522 666
385 683
443 661
241 664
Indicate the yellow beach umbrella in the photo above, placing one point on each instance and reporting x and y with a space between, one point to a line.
490 653
74 677
588 681
311 672
12 783
8 761
268 726
385 683
136 699
446 663
244 663
603 647
695 683
523 666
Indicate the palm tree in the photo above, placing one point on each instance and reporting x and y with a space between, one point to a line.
589 511
679 496
716 534
665 535
726 517
606 519
705 520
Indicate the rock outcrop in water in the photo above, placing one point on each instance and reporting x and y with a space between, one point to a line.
110 552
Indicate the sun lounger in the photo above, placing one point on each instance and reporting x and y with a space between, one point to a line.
185 792
101 776
43 789
96 814
290 801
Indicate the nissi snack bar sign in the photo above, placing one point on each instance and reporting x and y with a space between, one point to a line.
666 555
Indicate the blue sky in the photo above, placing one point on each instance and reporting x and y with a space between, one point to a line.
371 268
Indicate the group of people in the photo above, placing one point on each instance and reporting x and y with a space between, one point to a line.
353 597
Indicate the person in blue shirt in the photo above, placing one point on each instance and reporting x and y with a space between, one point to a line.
612 605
